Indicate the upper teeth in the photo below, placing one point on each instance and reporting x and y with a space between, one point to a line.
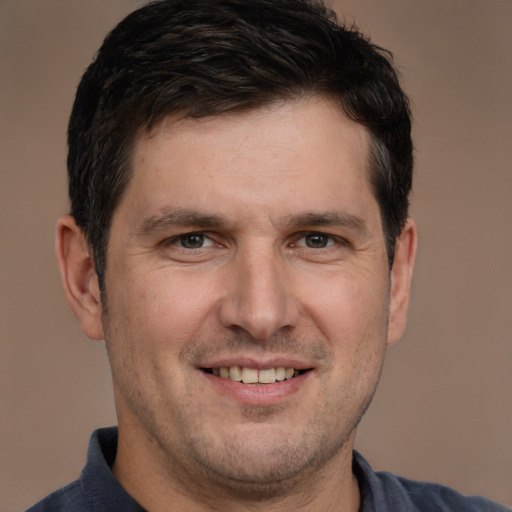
254 376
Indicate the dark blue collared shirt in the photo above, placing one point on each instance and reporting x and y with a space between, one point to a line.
97 490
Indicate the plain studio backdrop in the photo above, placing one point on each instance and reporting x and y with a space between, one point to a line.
443 411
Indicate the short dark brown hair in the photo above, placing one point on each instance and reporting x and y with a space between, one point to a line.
197 58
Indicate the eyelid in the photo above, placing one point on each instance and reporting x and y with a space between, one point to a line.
298 239
174 240
332 239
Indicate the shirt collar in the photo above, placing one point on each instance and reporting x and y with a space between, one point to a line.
102 491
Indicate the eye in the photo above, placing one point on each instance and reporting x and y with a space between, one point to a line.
315 241
193 241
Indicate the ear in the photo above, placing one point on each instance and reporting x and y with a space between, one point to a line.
79 276
401 276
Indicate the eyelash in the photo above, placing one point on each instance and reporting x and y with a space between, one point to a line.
179 239
329 240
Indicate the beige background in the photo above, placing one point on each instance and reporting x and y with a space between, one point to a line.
444 408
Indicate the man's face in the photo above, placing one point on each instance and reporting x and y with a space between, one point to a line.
251 242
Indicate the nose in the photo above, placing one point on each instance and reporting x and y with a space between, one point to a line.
259 297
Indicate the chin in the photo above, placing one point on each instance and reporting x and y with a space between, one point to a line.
261 463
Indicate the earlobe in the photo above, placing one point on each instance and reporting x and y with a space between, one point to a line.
79 276
401 277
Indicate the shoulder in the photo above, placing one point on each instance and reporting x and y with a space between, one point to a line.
96 490
69 498
385 492
430 497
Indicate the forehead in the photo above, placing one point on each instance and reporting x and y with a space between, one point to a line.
275 159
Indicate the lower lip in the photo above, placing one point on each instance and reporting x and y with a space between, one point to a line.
258 394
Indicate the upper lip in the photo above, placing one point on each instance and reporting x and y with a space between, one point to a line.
258 364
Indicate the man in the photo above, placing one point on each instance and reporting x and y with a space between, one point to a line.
239 175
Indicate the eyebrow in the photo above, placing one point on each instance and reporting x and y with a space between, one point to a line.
186 217
181 217
330 218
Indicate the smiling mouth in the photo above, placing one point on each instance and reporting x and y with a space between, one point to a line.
253 376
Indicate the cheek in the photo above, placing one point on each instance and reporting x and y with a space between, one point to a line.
147 324
165 310
350 308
